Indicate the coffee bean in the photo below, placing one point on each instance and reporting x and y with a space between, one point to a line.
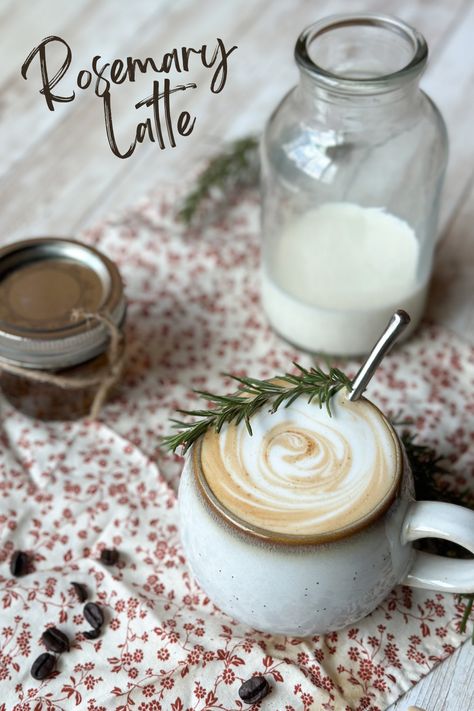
254 689
55 640
94 615
81 591
109 556
43 666
19 564
92 634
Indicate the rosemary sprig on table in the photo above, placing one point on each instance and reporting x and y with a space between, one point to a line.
429 473
467 614
236 165
314 384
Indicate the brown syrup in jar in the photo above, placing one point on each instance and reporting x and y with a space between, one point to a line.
43 284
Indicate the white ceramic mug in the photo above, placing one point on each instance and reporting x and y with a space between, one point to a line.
301 585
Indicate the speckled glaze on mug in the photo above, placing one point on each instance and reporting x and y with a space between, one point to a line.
303 585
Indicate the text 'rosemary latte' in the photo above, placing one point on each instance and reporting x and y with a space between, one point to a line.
304 472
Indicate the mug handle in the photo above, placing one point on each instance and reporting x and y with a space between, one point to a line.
435 519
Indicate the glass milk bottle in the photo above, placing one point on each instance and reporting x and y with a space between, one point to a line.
353 161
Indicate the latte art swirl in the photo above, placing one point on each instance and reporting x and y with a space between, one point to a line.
302 459
304 472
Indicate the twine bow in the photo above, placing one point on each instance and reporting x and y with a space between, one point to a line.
104 382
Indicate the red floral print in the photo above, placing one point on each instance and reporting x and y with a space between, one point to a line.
69 490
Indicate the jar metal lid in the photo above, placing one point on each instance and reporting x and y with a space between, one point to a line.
43 281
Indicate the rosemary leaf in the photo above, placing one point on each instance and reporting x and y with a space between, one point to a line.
467 614
430 474
236 166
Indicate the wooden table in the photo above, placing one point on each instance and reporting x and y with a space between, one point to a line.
58 174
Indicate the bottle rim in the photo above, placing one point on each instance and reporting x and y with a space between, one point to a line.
371 84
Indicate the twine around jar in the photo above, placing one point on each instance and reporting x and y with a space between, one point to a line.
115 357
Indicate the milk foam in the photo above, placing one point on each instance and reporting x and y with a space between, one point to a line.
304 472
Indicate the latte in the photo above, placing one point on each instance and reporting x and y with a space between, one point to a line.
303 472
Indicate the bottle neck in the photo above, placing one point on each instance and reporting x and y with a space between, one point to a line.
344 110
310 88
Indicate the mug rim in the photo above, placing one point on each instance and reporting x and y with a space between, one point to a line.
275 537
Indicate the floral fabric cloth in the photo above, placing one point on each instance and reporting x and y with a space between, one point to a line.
68 490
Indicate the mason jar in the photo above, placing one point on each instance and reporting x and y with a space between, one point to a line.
62 313
353 161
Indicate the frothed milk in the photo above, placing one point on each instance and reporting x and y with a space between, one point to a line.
335 275
304 472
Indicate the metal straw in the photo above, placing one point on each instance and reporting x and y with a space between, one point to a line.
395 326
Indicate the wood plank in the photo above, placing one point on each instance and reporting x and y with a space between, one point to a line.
25 24
62 183
450 82
274 72
452 294
450 687
25 119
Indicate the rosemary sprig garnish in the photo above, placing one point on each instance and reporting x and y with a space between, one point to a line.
253 394
237 165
